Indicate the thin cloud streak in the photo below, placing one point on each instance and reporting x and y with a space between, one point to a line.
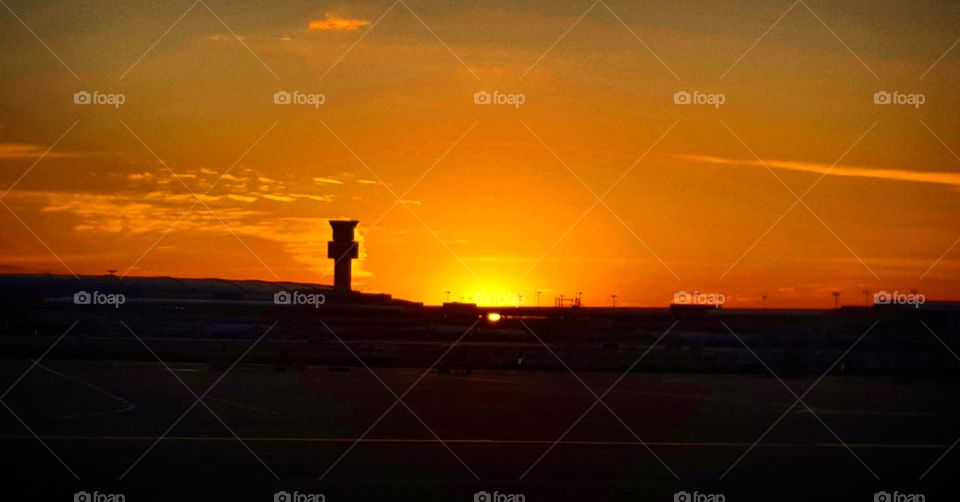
933 177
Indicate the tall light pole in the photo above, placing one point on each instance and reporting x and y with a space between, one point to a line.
579 297
764 298
614 298
538 297
836 299
448 295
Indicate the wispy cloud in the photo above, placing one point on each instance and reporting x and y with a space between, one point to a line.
28 151
332 22
934 177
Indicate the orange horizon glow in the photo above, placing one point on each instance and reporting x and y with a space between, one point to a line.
224 161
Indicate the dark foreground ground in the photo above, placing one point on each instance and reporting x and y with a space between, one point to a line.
540 434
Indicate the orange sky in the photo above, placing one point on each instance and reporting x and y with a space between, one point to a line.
490 198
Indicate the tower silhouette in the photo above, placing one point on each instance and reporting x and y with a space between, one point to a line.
343 250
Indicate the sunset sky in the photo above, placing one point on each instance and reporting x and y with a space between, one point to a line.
490 198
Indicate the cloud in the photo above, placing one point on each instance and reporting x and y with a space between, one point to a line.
27 151
278 198
332 22
934 177
328 181
159 213
241 198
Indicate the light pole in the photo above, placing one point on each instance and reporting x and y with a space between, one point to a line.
836 299
614 298
579 298
764 298
866 298
538 298
448 295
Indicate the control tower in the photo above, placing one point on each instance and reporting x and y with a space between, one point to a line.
343 250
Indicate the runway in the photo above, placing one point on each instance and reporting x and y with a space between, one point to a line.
126 425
